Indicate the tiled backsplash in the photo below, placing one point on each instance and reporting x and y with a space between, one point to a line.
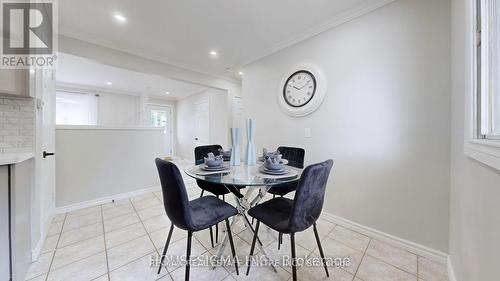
17 125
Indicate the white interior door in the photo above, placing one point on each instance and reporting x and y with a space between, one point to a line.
202 123
159 116
43 83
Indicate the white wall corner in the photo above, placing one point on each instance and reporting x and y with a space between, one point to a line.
35 252
451 271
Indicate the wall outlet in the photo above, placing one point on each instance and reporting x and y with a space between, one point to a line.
307 132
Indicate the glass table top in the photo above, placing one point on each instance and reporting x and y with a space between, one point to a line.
243 175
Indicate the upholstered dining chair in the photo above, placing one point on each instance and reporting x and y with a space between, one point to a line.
192 216
291 216
200 152
295 157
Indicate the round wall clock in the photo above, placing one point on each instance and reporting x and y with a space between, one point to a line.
301 91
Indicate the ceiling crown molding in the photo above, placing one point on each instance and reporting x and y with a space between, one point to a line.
334 22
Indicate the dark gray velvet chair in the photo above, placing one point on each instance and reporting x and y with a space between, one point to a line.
291 216
295 157
192 216
200 152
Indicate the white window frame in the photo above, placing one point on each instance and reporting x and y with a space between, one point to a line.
480 143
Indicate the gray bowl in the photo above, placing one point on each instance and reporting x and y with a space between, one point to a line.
273 166
213 163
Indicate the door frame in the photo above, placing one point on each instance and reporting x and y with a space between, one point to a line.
201 101
171 121
42 216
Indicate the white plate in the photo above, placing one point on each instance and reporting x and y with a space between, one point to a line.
284 171
283 161
213 169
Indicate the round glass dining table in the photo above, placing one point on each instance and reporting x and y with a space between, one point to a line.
244 177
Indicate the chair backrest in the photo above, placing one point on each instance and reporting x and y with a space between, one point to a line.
200 152
175 197
309 196
294 155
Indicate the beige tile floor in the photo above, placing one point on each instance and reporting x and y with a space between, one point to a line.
115 241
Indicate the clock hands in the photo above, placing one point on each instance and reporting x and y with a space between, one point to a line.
304 85
300 88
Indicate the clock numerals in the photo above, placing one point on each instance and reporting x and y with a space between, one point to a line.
300 88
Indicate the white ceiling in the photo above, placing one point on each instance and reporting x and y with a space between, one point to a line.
80 72
183 32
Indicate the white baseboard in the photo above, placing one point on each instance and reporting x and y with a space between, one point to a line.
103 200
412 247
451 271
35 252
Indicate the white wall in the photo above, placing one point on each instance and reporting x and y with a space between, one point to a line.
219 121
475 188
97 163
386 116
117 110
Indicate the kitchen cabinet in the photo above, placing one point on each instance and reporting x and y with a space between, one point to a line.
16 179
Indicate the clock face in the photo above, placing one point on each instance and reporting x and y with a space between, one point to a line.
299 88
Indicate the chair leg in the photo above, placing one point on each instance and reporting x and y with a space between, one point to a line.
251 227
294 269
166 246
202 191
320 249
217 231
188 255
211 237
253 245
230 235
280 240
252 220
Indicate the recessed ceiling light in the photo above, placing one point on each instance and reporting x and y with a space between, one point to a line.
213 53
240 73
120 18
167 93
109 83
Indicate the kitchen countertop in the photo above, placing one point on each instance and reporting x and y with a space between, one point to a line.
14 158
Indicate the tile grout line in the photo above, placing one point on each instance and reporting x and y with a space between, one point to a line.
105 244
362 258
123 226
149 236
85 225
394 266
417 267
383 261
85 239
55 250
